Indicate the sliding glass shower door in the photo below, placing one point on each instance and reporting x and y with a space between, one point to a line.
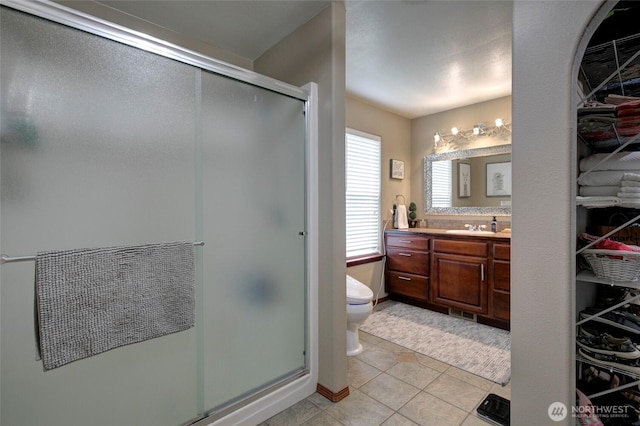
104 144
253 166
97 150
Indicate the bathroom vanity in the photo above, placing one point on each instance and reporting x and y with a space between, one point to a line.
466 275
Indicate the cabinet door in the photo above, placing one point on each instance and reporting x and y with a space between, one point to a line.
501 290
460 282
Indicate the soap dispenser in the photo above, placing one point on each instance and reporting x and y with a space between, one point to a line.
494 225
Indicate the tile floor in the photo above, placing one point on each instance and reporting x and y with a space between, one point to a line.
391 385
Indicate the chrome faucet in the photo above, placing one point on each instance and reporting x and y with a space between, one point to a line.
474 227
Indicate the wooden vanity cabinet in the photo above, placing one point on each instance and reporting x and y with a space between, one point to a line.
501 282
459 277
438 272
407 269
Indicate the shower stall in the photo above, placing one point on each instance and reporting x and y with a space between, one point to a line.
109 137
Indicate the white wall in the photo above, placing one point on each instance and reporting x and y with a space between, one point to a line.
395 133
546 35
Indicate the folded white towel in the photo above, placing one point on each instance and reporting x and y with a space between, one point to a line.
601 178
598 201
624 188
629 195
631 203
629 183
599 191
631 176
401 216
618 161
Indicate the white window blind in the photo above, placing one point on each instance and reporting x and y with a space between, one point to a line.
363 177
441 183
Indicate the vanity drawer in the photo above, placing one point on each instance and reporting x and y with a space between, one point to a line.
466 248
413 262
502 251
408 285
412 241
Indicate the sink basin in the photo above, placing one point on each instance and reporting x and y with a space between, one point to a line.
467 232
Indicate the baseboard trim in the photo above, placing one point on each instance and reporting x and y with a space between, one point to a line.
332 396
382 299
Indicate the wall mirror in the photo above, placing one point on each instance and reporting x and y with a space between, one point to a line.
471 182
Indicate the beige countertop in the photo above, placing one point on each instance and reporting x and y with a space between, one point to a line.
435 231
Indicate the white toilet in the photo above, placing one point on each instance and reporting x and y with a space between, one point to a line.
359 307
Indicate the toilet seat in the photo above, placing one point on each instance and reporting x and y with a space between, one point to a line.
358 293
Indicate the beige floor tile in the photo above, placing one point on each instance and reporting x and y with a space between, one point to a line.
360 372
297 414
415 374
456 392
503 391
369 338
319 400
473 420
388 377
323 419
378 357
427 410
432 363
392 346
359 409
398 420
406 357
392 392
470 378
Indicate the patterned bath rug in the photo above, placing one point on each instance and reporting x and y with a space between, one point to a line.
476 348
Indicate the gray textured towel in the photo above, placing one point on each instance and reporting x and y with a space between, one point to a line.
91 300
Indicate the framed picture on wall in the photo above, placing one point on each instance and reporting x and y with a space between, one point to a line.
464 180
397 169
499 179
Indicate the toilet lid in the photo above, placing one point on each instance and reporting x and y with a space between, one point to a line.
358 293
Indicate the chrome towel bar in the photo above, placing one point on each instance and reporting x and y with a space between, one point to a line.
8 259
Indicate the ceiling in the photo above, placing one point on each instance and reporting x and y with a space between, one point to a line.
413 58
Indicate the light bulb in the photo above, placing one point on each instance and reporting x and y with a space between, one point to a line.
436 137
454 130
498 122
476 130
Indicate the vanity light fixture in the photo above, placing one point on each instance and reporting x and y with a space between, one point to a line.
458 136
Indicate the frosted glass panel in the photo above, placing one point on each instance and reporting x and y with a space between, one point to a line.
97 150
103 144
254 211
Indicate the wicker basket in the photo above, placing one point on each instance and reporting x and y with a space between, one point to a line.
614 265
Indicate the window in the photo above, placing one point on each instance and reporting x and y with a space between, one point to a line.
441 184
362 194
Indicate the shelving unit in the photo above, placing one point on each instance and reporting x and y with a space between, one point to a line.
605 69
